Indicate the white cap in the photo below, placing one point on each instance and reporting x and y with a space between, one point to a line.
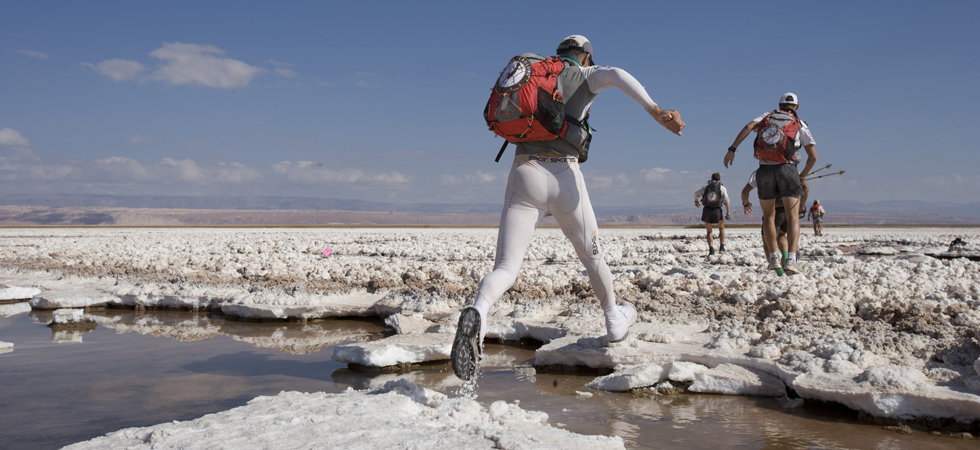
789 98
575 41
816 202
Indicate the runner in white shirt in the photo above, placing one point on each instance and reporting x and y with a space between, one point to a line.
545 180
778 177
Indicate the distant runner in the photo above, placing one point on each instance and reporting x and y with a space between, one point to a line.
714 195
777 134
816 215
545 180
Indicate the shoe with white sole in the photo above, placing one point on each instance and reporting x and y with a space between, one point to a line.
466 346
774 263
792 267
618 321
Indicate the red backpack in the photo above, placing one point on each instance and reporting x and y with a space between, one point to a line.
526 103
776 138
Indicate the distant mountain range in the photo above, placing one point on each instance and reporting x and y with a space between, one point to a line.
332 204
28 210
254 203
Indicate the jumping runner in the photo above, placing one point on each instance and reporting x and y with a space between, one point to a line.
774 146
714 195
545 180
816 215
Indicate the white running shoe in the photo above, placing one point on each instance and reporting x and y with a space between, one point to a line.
618 323
774 263
792 267
466 346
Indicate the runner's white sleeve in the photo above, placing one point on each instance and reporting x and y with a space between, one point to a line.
724 194
601 78
698 194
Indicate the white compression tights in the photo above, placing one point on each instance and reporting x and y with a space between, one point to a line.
536 190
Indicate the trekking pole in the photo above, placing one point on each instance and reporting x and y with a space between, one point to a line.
824 175
822 168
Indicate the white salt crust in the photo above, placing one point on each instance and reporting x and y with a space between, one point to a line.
9 293
875 323
399 415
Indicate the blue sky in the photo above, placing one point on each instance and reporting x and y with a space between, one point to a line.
382 101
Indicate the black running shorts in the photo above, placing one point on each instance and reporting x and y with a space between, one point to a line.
712 215
778 180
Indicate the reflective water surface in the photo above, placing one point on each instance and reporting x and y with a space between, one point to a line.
143 368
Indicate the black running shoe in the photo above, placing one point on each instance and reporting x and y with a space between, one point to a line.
721 248
711 251
466 348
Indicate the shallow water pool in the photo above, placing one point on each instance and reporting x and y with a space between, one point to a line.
144 368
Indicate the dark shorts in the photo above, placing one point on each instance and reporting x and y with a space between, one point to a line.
780 222
778 180
712 214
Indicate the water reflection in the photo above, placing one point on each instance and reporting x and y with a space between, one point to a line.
13 309
290 337
67 336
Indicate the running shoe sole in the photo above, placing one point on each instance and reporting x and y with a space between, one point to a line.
792 268
466 349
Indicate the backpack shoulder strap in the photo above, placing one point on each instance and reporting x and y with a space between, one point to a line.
501 152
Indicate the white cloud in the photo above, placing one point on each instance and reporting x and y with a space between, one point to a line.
117 69
198 64
15 144
656 174
308 172
485 177
235 173
479 177
288 73
390 178
122 167
12 138
34 53
53 172
186 170
609 181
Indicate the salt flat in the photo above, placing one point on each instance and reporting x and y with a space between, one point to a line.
885 321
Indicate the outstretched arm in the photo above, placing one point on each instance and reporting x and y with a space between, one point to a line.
730 156
601 78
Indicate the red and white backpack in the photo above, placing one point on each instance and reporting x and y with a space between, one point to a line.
526 103
776 137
